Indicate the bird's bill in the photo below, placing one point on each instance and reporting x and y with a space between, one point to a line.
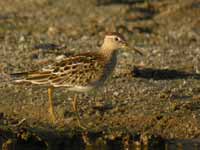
134 49
138 51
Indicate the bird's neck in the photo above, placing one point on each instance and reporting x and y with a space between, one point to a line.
108 52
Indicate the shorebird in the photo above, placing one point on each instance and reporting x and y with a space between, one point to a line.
80 73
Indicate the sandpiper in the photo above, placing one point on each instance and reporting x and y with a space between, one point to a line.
80 73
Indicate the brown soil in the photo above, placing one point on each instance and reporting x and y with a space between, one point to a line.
156 95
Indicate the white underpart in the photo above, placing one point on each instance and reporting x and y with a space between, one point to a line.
76 88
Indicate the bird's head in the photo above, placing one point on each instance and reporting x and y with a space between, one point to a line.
115 41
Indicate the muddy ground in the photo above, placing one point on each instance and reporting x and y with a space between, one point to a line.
152 96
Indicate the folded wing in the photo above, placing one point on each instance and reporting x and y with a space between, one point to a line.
78 70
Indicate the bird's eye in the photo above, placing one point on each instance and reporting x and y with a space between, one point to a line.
117 39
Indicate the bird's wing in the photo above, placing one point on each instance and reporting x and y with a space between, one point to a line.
77 70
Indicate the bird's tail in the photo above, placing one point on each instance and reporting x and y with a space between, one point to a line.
18 76
15 77
37 77
31 77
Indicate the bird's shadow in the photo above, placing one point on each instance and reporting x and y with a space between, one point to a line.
163 74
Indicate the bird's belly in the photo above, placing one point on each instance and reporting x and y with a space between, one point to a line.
81 88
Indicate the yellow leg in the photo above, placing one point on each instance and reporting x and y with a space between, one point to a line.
75 109
51 108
